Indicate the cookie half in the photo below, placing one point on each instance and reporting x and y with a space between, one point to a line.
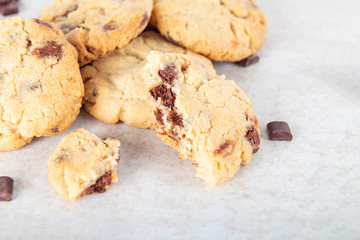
206 118
223 30
114 88
83 164
97 27
41 88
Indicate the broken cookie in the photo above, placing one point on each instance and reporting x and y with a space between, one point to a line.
83 164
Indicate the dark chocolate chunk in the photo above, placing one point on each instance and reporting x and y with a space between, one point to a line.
55 129
51 49
38 21
2 2
158 115
165 94
9 8
249 61
253 137
6 188
145 20
168 74
100 185
109 27
175 118
279 131
226 148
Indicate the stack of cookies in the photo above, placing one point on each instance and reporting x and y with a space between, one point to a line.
142 62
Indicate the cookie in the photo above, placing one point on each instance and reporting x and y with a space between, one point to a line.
206 118
97 27
223 30
41 88
114 88
83 164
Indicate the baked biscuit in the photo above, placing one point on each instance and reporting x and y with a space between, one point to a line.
114 88
97 27
83 164
41 88
206 118
223 30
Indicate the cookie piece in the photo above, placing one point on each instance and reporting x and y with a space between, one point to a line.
114 88
206 118
83 164
41 88
223 30
97 27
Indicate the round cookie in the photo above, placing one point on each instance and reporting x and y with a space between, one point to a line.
223 30
83 164
41 88
206 118
97 27
114 88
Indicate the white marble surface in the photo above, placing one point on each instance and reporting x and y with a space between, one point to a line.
309 76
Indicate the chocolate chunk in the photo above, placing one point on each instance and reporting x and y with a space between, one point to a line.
55 129
168 74
226 148
175 118
2 2
38 21
145 20
9 8
253 137
279 131
158 115
249 61
51 49
6 188
109 27
165 94
100 185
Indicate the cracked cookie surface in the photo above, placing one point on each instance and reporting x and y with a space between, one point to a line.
97 27
83 164
206 118
40 83
114 88
223 30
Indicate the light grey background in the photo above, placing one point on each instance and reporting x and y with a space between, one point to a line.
309 76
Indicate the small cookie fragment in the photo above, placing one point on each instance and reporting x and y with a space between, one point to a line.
206 118
253 59
279 131
6 188
83 164
8 7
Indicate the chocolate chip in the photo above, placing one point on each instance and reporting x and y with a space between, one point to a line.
100 185
158 115
165 94
279 131
9 8
51 49
2 2
29 44
253 137
145 20
109 27
226 148
55 129
168 74
38 21
249 61
6 188
175 118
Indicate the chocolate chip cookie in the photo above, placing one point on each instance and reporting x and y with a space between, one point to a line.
41 88
223 30
206 118
83 164
97 27
114 88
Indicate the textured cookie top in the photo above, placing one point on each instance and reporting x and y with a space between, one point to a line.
79 160
40 83
223 30
206 118
97 27
114 87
